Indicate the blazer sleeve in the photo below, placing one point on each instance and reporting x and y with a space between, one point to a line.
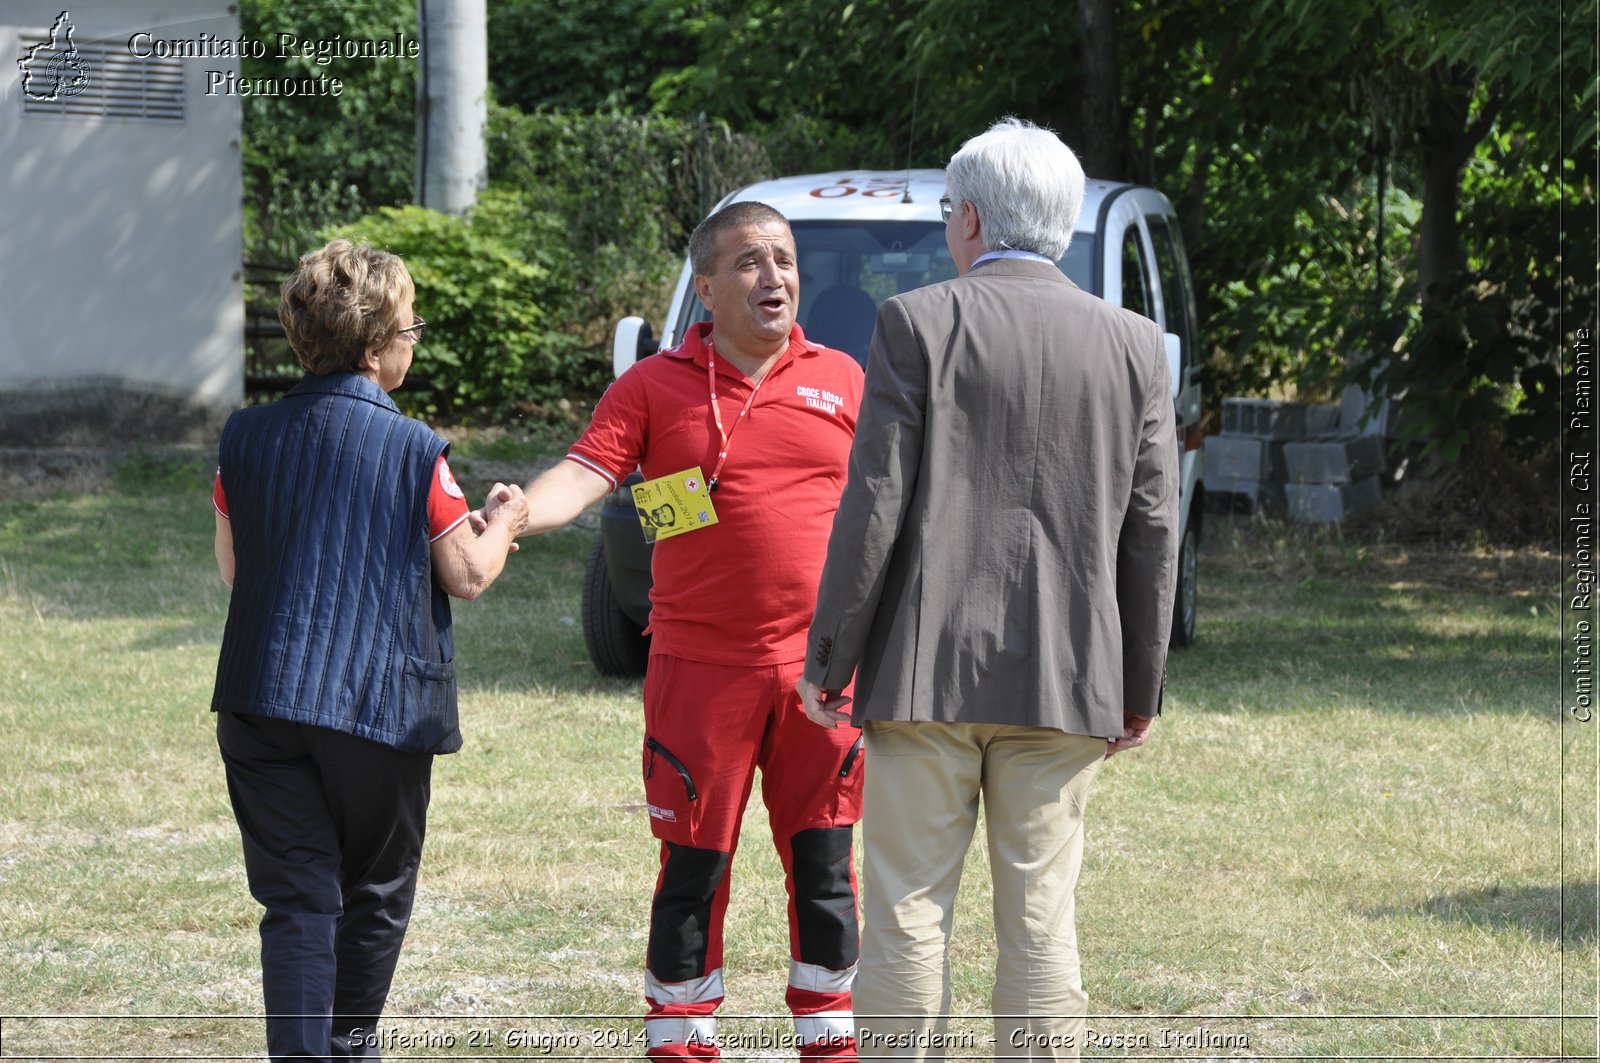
884 460
1147 547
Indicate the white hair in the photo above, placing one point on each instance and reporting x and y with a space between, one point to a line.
1026 184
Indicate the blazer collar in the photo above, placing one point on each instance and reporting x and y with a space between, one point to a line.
1019 267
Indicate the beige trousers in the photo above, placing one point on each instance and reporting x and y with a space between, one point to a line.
922 790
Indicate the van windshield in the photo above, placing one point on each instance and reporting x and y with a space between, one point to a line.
847 268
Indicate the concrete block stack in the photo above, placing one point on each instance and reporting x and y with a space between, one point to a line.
1333 477
1317 463
1250 469
1247 461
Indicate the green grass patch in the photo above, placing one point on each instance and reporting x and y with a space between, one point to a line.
529 441
1344 838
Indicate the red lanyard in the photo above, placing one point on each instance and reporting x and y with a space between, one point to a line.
716 411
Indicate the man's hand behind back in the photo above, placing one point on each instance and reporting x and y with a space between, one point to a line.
824 708
1135 729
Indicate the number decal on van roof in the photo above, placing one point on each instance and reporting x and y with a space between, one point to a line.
880 187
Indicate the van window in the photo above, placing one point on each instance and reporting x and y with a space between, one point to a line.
1191 305
1175 301
1135 286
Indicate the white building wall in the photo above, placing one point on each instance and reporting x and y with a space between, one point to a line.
120 238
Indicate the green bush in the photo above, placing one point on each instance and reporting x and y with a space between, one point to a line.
627 190
488 351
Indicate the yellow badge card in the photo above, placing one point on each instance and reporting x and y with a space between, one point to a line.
673 505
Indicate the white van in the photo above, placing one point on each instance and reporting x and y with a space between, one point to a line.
861 237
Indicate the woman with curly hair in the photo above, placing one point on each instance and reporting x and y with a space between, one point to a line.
342 532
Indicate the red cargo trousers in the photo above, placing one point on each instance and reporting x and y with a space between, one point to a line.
708 727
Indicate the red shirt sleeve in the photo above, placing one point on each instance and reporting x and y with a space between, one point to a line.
613 444
219 499
447 505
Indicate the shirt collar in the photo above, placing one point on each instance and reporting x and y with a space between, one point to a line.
990 256
693 347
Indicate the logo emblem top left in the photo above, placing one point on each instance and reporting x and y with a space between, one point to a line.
54 68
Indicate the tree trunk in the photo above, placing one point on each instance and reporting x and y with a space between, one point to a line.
1446 143
1104 149
1439 230
1436 371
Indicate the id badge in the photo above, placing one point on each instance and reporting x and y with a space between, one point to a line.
674 505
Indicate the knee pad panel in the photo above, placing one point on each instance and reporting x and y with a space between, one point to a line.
825 897
680 914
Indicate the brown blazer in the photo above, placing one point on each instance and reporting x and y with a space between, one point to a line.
1005 551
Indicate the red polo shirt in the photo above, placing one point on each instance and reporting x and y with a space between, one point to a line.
741 591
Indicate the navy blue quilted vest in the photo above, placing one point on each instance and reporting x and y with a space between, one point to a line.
335 618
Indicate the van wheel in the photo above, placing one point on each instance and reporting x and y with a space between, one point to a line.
1183 608
617 645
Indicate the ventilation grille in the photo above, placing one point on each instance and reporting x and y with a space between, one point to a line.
120 85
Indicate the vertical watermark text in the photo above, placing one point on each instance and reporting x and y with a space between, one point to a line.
1578 519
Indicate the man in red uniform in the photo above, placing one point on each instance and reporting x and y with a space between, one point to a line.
745 428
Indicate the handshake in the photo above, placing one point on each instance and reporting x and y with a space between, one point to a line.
505 502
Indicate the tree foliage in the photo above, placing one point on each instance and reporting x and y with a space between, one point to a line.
313 160
1459 94
580 56
1278 127
1269 124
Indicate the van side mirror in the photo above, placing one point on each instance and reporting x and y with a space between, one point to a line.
633 341
1174 359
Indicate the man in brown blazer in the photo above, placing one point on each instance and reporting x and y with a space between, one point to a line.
999 580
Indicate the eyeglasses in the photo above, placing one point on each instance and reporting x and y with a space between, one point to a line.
946 208
416 326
